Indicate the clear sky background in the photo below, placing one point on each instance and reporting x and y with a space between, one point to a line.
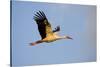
77 21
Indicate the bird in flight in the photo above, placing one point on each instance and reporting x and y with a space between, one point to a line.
44 27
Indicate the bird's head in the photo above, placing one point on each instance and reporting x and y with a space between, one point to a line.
68 37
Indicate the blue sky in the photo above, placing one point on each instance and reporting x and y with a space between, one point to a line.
77 21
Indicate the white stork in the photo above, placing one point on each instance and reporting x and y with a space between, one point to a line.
45 30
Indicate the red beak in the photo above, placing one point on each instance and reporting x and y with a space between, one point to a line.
69 37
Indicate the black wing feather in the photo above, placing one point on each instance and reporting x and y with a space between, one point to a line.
56 29
40 19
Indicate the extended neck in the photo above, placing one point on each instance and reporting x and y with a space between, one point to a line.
65 37
62 37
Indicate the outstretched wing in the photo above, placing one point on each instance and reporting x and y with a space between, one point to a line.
44 26
56 29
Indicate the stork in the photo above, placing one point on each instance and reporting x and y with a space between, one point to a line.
47 34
